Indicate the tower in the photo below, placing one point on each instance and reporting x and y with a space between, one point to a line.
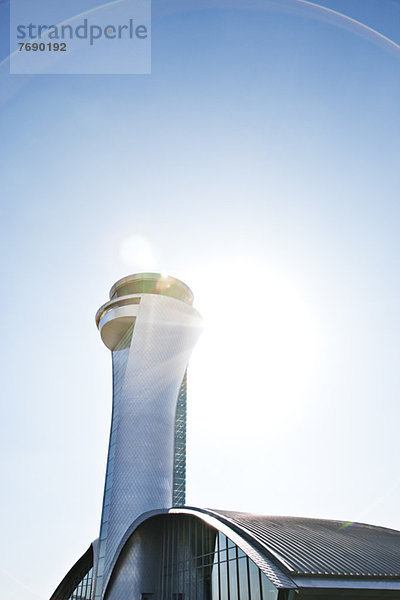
152 547
150 327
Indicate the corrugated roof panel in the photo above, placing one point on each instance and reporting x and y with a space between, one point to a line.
320 547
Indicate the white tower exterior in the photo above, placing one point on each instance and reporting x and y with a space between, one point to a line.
151 328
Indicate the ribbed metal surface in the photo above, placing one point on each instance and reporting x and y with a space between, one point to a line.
318 547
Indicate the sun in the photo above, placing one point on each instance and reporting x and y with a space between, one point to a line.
136 252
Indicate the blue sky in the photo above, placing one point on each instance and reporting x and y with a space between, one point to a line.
258 163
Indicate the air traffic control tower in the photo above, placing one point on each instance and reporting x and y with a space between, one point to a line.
151 328
151 546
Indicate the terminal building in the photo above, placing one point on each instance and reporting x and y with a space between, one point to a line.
151 545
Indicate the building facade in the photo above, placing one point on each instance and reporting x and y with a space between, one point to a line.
153 547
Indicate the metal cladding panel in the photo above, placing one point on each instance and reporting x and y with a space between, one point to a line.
164 335
138 569
320 547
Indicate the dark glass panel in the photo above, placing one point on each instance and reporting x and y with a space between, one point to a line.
243 579
233 578
269 591
222 547
84 588
214 580
254 581
223 575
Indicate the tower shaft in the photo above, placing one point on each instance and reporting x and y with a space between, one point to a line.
151 335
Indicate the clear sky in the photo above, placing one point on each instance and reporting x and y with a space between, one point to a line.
259 163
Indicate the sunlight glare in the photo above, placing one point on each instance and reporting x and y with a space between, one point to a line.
136 253
258 352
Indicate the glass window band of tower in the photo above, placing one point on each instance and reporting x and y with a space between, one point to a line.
179 479
183 558
119 361
152 283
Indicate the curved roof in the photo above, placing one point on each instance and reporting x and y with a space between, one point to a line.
293 552
321 547
296 552
74 575
267 566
